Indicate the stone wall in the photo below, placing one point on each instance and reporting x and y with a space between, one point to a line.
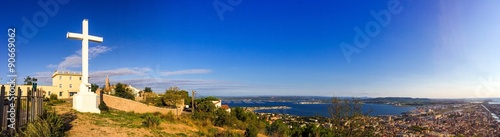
138 107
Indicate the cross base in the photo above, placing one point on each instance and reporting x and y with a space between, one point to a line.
85 101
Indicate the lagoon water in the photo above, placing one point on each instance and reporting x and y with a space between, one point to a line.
318 109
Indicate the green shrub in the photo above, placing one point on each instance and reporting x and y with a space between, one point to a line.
103 107
49 125
251 131
151 121
53 97
122 91
39 128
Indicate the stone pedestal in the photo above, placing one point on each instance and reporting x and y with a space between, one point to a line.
85 101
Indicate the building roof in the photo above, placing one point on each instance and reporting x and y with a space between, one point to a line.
66 73
224 106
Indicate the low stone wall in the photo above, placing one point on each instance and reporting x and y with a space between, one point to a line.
138 107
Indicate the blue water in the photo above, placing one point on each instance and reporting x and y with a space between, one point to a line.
318 109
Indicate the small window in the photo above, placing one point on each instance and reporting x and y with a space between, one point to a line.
71 94
80 78
49 93
60 85
70 85
69 77
60 77
60 93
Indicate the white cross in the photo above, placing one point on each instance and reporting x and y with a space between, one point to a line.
85 38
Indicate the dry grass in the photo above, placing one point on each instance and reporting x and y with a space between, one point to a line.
123 124
120 124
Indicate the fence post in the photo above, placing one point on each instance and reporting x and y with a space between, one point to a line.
18 108
28 99
33 106
2 97
40 103
34 100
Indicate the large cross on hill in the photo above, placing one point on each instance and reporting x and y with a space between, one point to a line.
84 100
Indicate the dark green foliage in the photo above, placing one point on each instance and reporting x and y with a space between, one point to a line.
244 115
278 128
210 98
53 97
103 107
148 90
222 118
204 110
94 87
29 81
48 125
251 131
174 94
122 91
205 106
55 123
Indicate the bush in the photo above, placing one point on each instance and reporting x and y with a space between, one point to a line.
151 121
53 97
122 91
251 131
39 128
49 125
103 107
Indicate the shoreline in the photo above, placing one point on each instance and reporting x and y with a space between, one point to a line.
266 108
291 109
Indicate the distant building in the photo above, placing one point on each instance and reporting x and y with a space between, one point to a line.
217 103
110 89
226 108
65 84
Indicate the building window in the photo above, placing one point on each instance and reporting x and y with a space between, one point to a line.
60 77
60 94
80 78
72 93
60 85
70 85
69 77
49 93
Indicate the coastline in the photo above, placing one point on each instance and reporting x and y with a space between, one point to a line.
266 108
293 108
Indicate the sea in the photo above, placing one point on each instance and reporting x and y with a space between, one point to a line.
318 109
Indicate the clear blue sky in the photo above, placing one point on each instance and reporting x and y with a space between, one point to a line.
440 49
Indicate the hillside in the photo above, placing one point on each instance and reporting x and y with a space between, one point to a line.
121 124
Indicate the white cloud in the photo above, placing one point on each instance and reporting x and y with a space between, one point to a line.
159 85
120 72
75 60
186 72
95 51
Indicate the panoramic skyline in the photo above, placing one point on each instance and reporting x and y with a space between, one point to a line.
436 49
